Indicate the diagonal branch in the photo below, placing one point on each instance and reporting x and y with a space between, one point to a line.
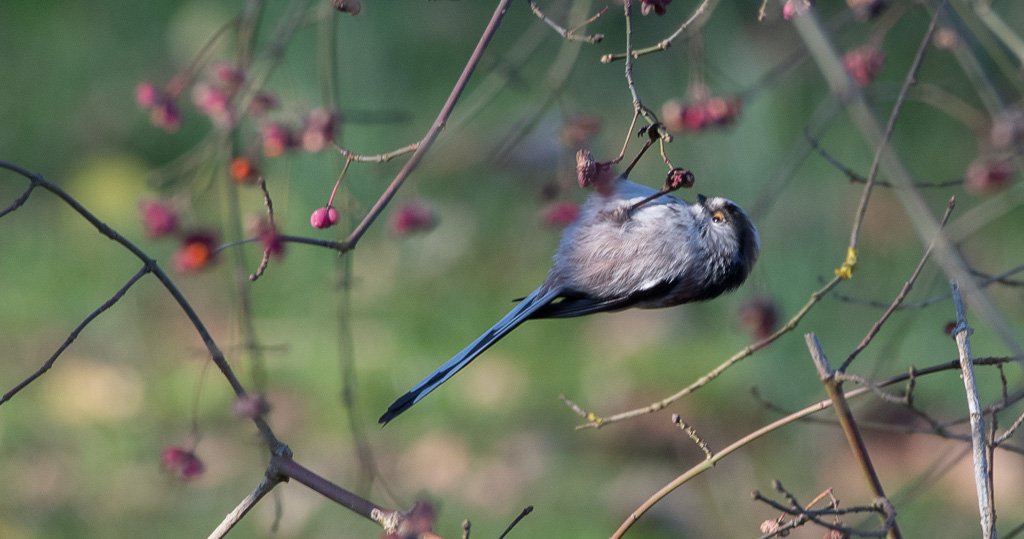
74 334
435 129
834 387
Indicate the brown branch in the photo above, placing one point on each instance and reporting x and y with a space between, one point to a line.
435 129
834 387
802 515
638 105
211 345
596 421
74 334
273 227
287 467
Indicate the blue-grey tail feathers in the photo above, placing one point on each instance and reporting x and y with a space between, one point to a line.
523 311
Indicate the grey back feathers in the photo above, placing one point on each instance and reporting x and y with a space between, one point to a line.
686 252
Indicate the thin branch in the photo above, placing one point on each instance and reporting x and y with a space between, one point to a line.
820 43
435 129
834 387
934 428
522 514
273 227
569 34
595 421
692 433
883 142
989 280
18 202
216 355
899 297
74 334
803 515
1009 432
287 467
704 8
250 501
962 334
638 106
379 158
854 177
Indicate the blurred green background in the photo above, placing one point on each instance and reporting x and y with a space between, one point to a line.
80 448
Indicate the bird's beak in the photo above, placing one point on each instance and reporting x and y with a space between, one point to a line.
702 200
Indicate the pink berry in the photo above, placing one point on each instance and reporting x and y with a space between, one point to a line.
158 218
324 217
413 216
146 94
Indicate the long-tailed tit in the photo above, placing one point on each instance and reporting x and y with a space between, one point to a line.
626 249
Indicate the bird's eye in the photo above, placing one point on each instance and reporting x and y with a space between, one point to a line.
718 217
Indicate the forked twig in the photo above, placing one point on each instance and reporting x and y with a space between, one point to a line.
571 33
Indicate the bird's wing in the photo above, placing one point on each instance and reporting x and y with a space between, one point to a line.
580 305
524 310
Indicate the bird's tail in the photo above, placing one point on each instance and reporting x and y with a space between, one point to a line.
530 304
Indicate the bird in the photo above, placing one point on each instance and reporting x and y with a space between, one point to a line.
630 246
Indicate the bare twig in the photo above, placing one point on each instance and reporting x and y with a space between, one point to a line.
595 421
522 514
962 334
1009 432
273 227
899 297
988 280
701 13
860 452
803 515
857 178
379 158
250 501
638 105
18 202
216 354
569 34
74 334
887 134
692 433
934 427
435 129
